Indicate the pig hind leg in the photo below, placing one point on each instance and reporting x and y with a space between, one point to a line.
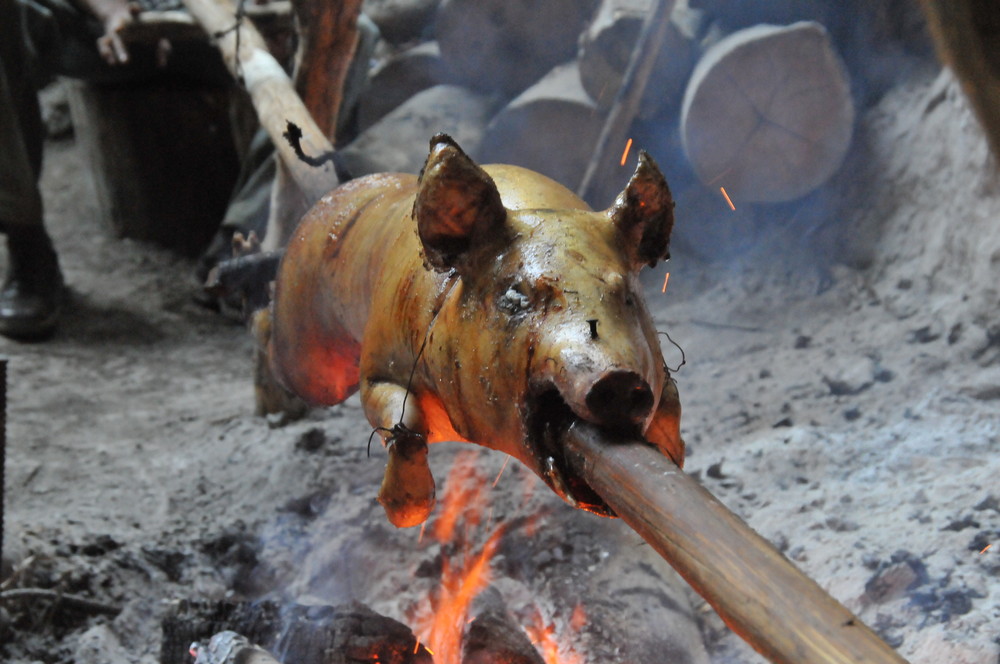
407 491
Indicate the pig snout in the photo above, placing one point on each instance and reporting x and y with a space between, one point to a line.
620 398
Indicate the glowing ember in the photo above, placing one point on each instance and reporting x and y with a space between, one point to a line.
666 278
728 200
628 146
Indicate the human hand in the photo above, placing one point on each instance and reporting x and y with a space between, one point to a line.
116 16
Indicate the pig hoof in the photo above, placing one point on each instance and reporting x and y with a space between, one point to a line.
407 492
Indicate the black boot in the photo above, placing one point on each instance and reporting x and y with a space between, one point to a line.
32 296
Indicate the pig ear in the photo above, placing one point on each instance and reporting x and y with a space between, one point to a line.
644 213
457 204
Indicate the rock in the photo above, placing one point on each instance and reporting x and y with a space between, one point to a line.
99 645
398 142
506 45
397 79
768 113
739 14
401 20
552 127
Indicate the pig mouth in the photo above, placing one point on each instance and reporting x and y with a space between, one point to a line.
548 418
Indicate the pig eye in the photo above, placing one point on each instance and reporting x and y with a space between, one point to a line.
514 301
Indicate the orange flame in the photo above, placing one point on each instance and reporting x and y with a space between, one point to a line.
441 623
543 636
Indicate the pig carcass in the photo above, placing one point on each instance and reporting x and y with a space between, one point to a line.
482 304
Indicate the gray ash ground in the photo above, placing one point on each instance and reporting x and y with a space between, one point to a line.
851 414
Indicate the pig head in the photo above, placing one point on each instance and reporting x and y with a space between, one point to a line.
481 304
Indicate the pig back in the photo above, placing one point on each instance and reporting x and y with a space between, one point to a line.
325 287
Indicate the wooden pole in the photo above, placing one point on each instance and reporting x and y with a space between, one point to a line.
271 91
964 33
626 103
327 39
762 596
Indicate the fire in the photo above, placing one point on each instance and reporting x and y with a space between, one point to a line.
543 635
466 571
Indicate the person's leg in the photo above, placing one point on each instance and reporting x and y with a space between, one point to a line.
32 293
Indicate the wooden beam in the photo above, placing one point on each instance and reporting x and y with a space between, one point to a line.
965 33
271 92
781 612
626 104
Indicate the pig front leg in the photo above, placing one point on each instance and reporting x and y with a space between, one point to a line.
407 491
665 429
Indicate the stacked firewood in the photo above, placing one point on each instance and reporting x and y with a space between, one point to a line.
533 84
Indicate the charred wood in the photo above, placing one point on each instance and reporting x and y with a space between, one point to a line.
341 634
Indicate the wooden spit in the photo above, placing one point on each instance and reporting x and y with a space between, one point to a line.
770 603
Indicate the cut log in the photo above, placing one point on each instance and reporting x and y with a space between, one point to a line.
768 113
607 45
400 21
551 127
506 45
399 78
398 142
781 612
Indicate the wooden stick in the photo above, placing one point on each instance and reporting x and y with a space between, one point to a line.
763 597
629 95
271 91
72 601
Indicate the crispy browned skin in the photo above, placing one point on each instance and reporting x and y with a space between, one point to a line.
469 294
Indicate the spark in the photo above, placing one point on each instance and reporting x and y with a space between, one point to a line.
985 549
420 537
628 146
728 200
666 278
502 468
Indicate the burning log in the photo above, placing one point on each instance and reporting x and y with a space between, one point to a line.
781 612
768 113
302 634
494 638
